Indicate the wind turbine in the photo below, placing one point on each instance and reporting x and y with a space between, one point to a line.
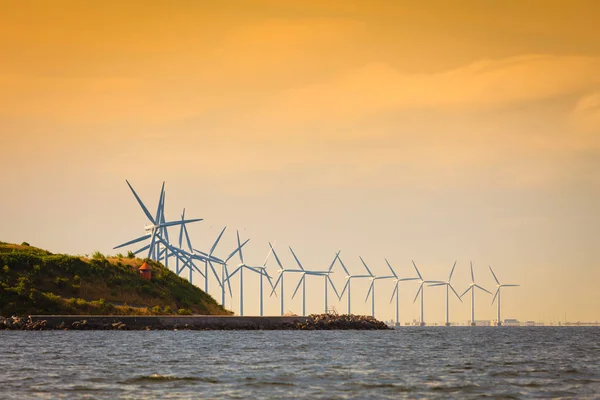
261 270
282 271
396 292
472 287
498 287
371 291
347 286
421 290
448 288
157 225
325 274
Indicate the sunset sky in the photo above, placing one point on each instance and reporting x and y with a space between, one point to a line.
435 130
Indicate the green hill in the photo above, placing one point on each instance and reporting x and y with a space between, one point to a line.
35 281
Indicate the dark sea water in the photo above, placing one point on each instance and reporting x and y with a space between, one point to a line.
433 362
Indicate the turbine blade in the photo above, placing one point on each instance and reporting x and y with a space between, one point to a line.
267 259
370 290
298 287
510 285
296 258
141 238
485 290
494 275
394 292
141 204
391 269
343 266
418 291
365 264
216 242
160 202
417 269
212 268
275 286
236 250
181 229
227 278
472 275
437 284
173 223
152 241
142 249
344 290
495 295
275 255
333 286
235 271
333 262
240 247
465 292
457 296
187 238
451 272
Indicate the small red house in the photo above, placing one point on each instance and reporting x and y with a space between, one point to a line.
145 271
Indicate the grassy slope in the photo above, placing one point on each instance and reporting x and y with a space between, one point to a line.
35 281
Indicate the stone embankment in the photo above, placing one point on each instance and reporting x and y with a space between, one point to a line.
200 322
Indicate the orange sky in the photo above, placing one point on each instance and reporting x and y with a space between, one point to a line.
437 131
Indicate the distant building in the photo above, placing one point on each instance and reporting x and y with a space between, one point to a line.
511 322
483 322
530 323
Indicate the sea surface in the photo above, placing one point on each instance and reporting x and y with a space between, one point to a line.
411 362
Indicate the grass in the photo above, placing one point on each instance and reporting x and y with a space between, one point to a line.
35 281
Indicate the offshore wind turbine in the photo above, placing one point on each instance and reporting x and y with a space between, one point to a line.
281 272
371 291
261 270
155 228
498 287
448 288
421 290
347 286
472 288
325 274
396 292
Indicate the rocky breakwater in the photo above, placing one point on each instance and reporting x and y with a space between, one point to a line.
340 322
96 322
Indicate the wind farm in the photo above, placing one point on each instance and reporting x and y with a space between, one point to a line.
207 267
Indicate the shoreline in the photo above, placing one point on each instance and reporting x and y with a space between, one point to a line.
192 322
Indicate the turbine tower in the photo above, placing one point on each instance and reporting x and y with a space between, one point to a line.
395 292
472 287
281 272
347 286
498 287
448 288
371 291
261 270
421 290
325 274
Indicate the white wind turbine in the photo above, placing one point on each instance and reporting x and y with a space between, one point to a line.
472 287
325 274
396 292
498 287
347 286
261 270
282 271
448 288
371 291
157 226
421 290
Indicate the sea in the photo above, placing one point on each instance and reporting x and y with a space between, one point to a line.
410 362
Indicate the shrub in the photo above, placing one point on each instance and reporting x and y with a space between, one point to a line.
6 269
156 310
119 255
61 282
130 254
97 255
24 244
184 311
76 279
168 310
